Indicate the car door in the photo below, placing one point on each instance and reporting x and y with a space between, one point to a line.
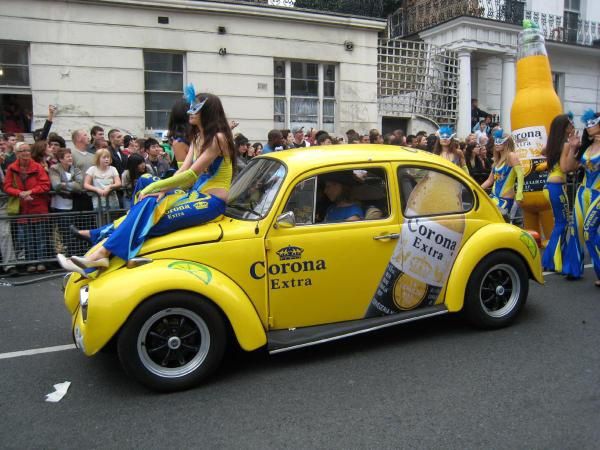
435 205
324 272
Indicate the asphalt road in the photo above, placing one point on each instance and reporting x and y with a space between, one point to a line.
430 384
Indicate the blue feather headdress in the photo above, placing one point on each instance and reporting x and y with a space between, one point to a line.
190 96
446 132
590 118
571 117
499 136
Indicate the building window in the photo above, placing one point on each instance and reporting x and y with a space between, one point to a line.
163 85
14 64
309 90
15 95
571 14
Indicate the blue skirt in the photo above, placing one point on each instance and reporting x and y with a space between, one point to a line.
148 218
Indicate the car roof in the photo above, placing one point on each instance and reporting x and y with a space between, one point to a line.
302 159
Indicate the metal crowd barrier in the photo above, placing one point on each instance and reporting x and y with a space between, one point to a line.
34 239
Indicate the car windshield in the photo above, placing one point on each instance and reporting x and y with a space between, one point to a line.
254 190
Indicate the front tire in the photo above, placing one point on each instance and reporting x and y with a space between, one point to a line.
497 290
172 341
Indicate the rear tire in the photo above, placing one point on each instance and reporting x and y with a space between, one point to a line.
172 341
497 290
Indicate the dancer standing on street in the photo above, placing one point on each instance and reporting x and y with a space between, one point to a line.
586 214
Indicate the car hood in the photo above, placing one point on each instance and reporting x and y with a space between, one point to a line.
223 229
208 232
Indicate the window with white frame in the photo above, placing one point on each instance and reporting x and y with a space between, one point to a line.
304 95
163 85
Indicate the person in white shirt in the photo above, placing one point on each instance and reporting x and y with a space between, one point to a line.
102 179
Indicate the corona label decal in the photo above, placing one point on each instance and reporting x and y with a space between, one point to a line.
535 106
428 246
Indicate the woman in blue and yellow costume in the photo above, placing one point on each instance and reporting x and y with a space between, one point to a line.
586 214
561 148
196 194
506 171
446 146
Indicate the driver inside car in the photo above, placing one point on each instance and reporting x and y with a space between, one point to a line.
338 189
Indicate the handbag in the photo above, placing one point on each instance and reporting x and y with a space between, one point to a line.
14 203
14 206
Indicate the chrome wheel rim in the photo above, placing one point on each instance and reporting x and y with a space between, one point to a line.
500 290
173 342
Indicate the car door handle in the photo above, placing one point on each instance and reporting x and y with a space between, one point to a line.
385 237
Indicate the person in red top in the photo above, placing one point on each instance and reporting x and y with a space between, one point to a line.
29 181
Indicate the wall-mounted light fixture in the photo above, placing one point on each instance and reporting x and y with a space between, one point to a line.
222 51
349 46
222 30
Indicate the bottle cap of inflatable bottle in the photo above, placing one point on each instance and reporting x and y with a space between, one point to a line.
531 41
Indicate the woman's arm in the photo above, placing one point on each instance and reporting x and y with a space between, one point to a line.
568 161
55 181
489 182
180 152
184 179
116 184
209 155
89 186
515 163
43 182
76 183
9 187
187 162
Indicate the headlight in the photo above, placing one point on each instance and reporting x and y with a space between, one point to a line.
84 295
65 280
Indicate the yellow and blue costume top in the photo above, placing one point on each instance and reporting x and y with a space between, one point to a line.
591 165
504 180
557 172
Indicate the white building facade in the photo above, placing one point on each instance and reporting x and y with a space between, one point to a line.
484 35
121 64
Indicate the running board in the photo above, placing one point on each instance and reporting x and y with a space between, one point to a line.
284 340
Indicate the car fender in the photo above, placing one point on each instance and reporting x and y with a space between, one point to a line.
114 296
490 238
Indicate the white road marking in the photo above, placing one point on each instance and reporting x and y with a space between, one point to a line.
36 351
587 266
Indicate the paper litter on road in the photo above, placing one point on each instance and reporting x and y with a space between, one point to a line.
59 393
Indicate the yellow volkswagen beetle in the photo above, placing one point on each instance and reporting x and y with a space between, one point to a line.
315 245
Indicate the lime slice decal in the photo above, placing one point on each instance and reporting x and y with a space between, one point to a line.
200 271
530 243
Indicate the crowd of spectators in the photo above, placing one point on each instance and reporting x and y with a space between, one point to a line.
101 168
96 174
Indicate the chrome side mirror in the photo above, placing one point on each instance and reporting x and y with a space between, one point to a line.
286 220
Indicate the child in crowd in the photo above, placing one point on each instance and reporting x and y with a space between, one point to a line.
102 179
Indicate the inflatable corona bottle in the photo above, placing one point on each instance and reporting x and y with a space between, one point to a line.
427 248
535 106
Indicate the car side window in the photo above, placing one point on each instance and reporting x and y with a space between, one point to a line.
302 201
341 196
427 192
